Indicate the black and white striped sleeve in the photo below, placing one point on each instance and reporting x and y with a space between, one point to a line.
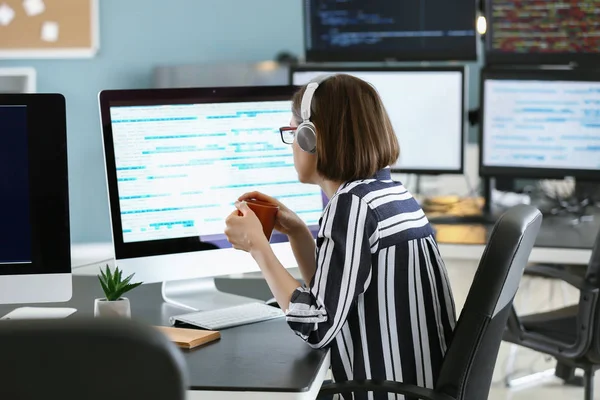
348 231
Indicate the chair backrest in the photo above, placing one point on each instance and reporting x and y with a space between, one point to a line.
92 359
592 276
469 362
593 270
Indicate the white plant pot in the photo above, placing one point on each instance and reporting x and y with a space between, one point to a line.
118 308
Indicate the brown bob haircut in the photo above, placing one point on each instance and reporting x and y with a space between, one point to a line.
355 138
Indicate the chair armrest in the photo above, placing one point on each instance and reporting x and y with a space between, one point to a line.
382 386
563 275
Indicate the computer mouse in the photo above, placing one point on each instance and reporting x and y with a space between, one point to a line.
272 302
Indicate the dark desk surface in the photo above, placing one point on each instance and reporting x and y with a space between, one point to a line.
556 232
263 357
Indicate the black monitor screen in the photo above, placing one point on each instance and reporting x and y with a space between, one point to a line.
15 227
382 30
543 32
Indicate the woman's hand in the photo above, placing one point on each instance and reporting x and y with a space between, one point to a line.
244 231
286 221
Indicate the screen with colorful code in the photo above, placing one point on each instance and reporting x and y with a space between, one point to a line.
559 31
181 167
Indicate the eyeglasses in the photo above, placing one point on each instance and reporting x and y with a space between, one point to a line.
288 133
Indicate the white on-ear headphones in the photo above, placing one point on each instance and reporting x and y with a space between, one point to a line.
306 133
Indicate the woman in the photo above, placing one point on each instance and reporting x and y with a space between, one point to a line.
378 293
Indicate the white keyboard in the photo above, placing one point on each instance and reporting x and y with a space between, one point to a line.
230 316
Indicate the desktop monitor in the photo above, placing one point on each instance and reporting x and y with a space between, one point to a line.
542 32
383 30
35 259
540 124
426 108
178 159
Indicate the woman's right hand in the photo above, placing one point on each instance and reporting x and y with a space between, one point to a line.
286 221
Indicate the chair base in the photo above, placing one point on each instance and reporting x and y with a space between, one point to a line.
535 378
567 374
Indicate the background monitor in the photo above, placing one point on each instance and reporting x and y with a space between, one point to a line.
382 30
426 108
178 159
35 259
540 124
266 73
542 32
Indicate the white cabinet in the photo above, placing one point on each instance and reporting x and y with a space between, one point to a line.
17 80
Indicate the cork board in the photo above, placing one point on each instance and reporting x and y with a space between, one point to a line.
48 28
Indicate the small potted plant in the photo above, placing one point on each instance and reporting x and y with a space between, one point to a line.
114 287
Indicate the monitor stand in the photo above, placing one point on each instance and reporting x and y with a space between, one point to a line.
200 294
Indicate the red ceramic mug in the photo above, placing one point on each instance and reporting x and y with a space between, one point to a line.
266 213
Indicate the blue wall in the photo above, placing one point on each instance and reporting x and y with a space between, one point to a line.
136 35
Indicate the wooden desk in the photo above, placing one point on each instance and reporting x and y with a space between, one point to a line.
258 361
559 241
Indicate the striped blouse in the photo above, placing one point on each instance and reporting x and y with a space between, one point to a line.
380 297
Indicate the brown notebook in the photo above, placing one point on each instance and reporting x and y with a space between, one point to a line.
189 338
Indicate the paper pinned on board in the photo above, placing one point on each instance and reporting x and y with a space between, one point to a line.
7 14
50 31
34 7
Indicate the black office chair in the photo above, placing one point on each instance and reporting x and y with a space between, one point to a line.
468 366
92 359
570 334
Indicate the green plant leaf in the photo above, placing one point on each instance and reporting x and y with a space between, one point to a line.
118 275
133 286
113 284
127 288
102 280
119 293
104 288
128 279
103 276
110 283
